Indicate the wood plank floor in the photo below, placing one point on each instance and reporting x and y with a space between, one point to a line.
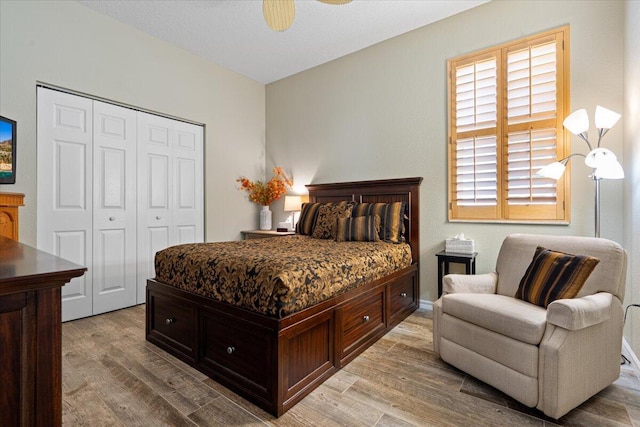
113 377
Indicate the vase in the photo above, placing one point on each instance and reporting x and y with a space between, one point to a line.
265 218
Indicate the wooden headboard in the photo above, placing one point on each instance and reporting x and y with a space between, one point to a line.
379 191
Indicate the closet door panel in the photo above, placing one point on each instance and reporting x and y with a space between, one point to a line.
109 274
158 185
65 183
186 234
157 239
114 197
155 192
189 199
69 175
170 189
186 192
77 295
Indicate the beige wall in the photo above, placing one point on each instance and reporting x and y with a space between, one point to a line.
66 44
381 113
632 167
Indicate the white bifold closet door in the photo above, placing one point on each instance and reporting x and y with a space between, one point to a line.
115 185
114 207
170 188
65 187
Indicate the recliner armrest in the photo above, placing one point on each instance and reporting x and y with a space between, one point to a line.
579 313
476 283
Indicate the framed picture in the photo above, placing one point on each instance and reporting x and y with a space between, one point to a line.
7 151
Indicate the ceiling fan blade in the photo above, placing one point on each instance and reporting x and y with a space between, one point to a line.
278 14
335 1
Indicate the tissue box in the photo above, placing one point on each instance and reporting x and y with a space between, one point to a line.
463 246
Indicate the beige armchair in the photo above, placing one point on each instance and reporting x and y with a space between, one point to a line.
552 359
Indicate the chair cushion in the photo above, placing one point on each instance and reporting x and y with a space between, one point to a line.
554 275
502 314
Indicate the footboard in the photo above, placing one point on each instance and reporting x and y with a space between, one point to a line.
276 362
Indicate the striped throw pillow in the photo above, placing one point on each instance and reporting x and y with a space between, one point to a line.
391 218
307 220
359 229
554 275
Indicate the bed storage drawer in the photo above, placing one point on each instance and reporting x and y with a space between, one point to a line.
403 297
237 352
171 322
360 321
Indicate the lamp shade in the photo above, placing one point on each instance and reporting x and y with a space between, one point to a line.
599 157
611 170
606 119
552 170
292 203
577 122
605 163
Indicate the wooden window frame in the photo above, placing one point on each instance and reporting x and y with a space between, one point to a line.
503 211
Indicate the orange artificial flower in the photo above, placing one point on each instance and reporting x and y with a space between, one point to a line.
266 193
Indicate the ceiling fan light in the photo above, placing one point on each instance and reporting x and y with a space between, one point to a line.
605 118
577 122
335 1
279 14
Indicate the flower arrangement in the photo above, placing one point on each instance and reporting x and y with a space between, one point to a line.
266 193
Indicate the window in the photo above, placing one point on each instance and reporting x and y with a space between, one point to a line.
506 107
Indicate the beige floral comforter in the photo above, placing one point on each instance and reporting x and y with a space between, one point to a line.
277 276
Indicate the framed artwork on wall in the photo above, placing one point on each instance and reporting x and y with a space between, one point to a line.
7 151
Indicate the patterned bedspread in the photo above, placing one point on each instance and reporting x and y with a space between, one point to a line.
277 276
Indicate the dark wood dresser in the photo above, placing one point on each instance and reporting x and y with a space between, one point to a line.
31 334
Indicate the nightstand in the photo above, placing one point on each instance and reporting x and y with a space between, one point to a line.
261 234
444 258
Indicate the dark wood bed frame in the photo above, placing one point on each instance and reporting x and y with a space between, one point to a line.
274 363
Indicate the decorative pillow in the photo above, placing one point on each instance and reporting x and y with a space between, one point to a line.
327 220
359 229
307 220
309 216
554 275
391 218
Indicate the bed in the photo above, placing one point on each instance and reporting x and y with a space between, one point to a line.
274 353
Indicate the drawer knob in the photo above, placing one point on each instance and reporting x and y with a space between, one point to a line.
169 320
403 294
158 218
112 218
365 319
230 350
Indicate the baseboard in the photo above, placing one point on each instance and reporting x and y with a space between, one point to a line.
627 352
427 305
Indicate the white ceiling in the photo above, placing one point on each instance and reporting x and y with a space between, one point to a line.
232 33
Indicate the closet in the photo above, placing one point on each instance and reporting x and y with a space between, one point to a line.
115 185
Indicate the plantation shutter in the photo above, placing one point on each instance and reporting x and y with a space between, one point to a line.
532 129
506 111
475 164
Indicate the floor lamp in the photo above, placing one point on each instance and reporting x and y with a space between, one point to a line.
604 163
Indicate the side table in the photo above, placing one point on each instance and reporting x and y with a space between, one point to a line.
444 258
261 234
